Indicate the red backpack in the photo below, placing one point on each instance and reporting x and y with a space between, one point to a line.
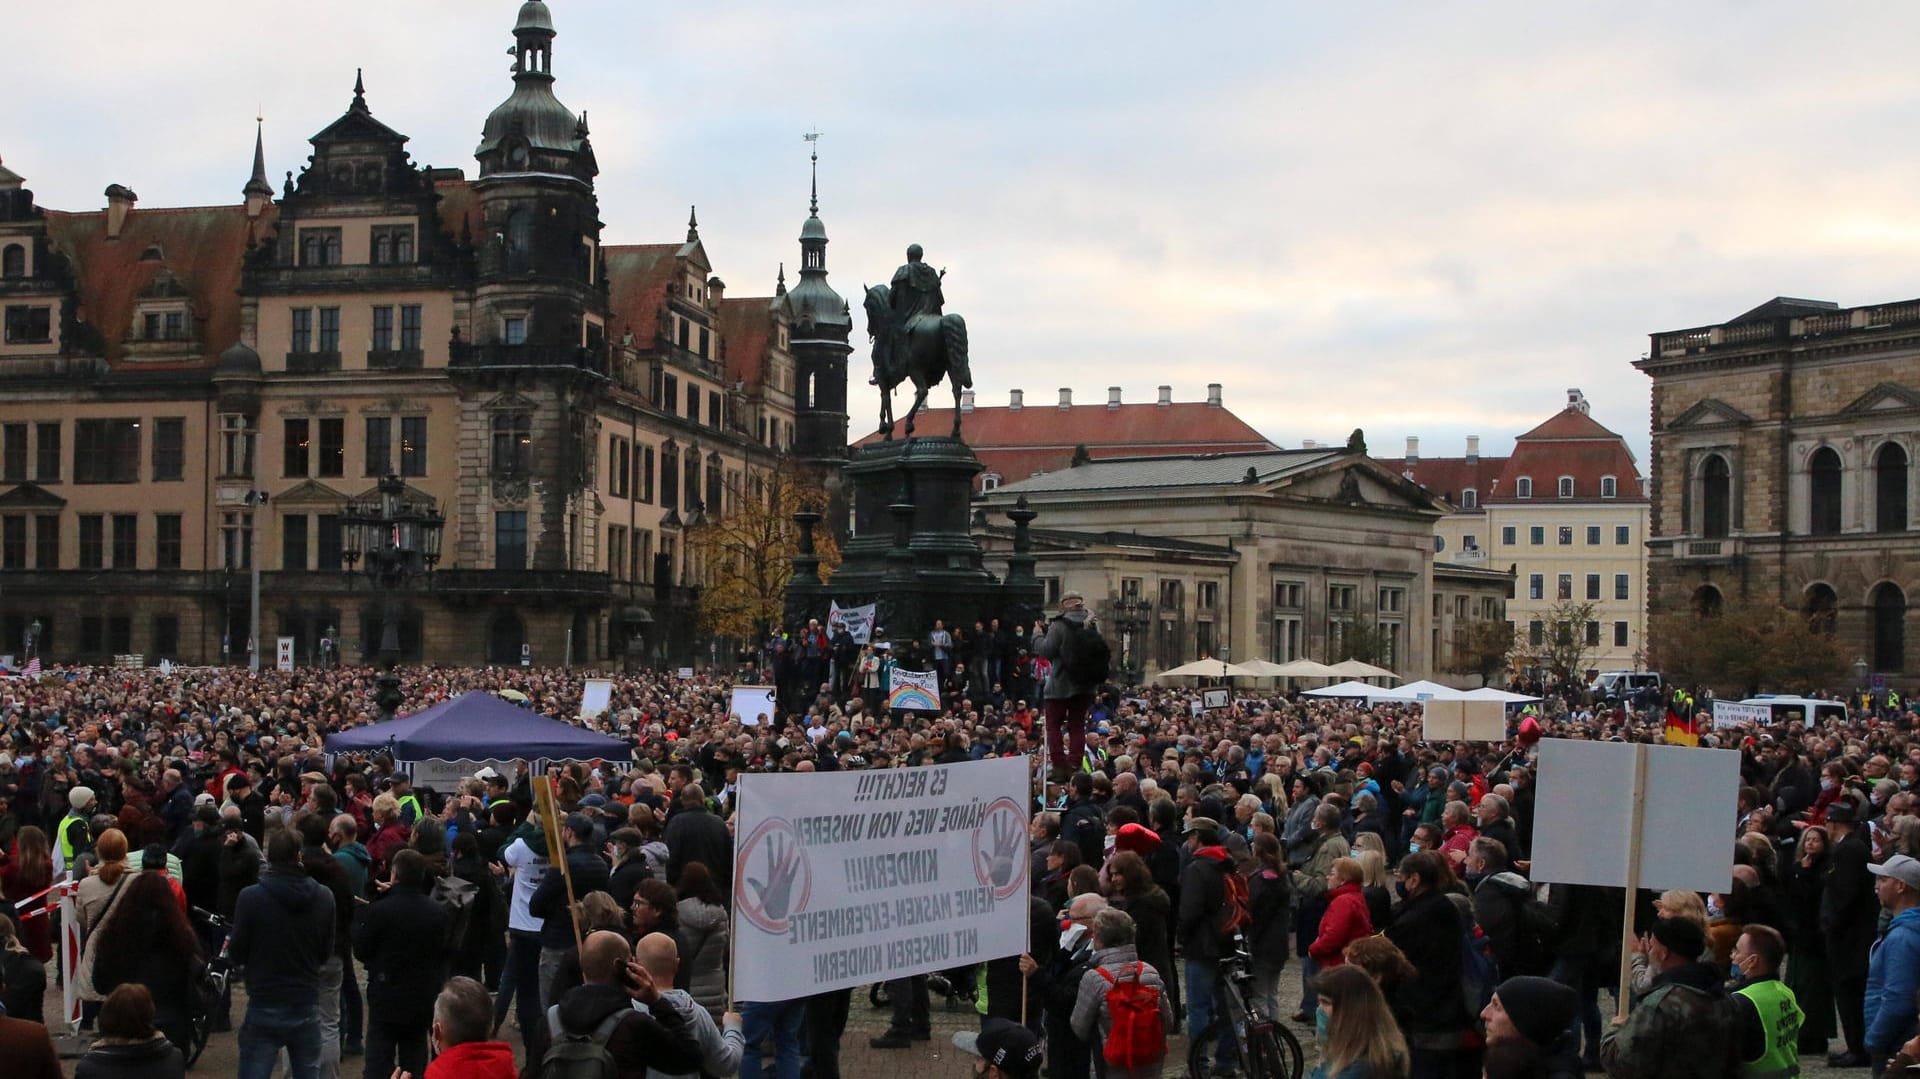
1236 912
1137 1037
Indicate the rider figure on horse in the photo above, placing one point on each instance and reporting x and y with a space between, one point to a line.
914 338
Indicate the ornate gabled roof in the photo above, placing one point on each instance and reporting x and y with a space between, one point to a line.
1709 412
1885 397
357 123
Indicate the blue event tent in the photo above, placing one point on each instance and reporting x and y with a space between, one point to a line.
478 726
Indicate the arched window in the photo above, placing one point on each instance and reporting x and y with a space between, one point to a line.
504 638
1523 487
1890 489
1823 495
1821 608
519 241
1889 628
1566 487
1469 499
13 261
1609 487
1716 498
1707 602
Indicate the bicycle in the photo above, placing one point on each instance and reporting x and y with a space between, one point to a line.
210 989
1261 1046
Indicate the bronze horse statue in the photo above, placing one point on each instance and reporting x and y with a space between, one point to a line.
924 348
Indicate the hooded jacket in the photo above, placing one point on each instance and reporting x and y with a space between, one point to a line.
1203 891
720 1050
1053 647
358 863
706 930
474 1060
282 933
1893 974
125 1058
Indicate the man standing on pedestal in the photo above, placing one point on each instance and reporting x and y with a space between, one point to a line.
1067 700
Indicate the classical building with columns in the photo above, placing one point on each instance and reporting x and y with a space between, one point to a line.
1783 442
573 405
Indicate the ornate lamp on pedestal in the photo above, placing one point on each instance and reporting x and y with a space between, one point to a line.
395 538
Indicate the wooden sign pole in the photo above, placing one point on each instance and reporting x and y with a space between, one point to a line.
557 849
1633 877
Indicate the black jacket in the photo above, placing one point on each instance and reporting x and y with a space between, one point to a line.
549 900
1849 910
1270 902
695 835
282 933
401 938
1202 892
199 854
659 1037
155 1059
1429 930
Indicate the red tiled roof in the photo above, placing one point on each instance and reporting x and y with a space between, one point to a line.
637 280
1016 443
746 330
203 247
1571 443
1448 476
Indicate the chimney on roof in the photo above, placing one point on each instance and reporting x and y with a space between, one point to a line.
1413 450
966 400
1577 400
1066 397
1014 400
1166 397
1473 448
120 200
1113 397
1213 395
716 290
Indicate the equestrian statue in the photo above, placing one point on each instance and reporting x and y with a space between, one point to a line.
914 339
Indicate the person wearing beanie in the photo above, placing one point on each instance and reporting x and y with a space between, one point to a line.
1527 1024
1682 1027
75 838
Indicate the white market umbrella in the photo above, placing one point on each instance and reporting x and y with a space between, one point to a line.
1207 668
1299 668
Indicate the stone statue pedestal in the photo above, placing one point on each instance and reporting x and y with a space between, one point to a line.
912 551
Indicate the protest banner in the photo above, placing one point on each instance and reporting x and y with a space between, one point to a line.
1214 698
596 697
1585 833
913 691
1731 714
858 620
1463 721
750 703
845 878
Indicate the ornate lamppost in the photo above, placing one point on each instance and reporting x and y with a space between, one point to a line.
1131 613
394 538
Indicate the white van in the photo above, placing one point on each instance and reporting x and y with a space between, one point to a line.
1619 685
1798 709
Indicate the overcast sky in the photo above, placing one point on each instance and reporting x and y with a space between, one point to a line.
1417 218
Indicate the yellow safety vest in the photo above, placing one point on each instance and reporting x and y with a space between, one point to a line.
1780 1018
410 800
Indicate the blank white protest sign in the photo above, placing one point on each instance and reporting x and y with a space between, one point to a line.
1583 815
1463 721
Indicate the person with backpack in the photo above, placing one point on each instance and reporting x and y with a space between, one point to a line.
401 938
1213 907
1518 928
1080 660
1122 1007
617 1024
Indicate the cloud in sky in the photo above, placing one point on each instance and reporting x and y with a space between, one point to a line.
1416 219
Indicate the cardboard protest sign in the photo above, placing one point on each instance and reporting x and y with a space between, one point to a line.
596 697
1583 829
913 691
1463 721
750 703
845 878
1731 714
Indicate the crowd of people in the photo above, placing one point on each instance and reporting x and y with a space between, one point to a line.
418 929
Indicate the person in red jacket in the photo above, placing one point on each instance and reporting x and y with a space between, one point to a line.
1346 919
462 1022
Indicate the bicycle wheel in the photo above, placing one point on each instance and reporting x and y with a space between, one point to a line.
1201 1046
1275 1053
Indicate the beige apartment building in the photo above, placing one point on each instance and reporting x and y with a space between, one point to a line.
189 394
1567 514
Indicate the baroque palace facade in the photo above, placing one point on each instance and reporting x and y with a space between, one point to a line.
572 406
1783 446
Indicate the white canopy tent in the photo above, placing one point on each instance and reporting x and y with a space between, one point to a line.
1493 693
1353 668
1414 691
1344 689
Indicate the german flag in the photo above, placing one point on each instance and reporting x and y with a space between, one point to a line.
1682 730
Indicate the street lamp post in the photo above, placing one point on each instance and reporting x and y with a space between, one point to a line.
1131 613
394 538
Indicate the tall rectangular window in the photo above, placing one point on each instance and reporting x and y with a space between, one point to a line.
514 332
1536 586
13 542
383 328
1565 589
713 406
646 474
1593 586
333 447
1536 633
47 451
512 443
296 448
410 327
106 451
166 635
126 541
379 449
693 402
642 556
670 477
13 453
619 467
236 446
1622 586
1509 535
236 541
326 547
1593 535
1619 634
510 539
1609 487
301 337
1622 535
1537 535
329 329
93 541
46 542
413 445
166 541
169 449
1566 535
1593 634
293 541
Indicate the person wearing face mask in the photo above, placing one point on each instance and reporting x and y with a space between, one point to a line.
1766 1016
